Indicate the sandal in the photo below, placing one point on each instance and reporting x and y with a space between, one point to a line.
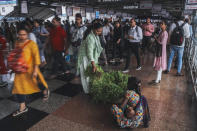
18 112
46 96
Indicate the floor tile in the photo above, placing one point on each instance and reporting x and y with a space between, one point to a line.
1 99
22 122
55 84
60 124
69 90
6 92
54 102
66 77
7 107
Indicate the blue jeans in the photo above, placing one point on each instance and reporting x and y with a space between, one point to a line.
179 50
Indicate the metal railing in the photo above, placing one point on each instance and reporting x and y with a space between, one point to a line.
190 59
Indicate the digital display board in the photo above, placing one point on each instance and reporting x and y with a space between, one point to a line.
7 2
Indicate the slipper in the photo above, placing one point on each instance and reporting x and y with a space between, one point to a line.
18 112
46 96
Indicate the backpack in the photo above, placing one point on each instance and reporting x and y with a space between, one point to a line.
177 36
16 60
78 41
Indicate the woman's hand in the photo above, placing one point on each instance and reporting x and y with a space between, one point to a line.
93 67
35 74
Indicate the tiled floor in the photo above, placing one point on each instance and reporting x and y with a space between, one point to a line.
68 109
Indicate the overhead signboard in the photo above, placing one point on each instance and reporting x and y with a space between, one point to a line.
58 10
188 12
163 11
83 12
190 7
157 7
110 12
90 10
76 10
69 11
130 7
146 4
97 13
7 2
64 10
109 0
118 14
192 1
103 11
24 8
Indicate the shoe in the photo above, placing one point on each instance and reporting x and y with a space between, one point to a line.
166 72
112 61
46 96
138 68
121 60
179 74
3 84
153 82
18 112
125 71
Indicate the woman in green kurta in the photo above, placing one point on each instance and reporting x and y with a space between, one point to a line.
89 53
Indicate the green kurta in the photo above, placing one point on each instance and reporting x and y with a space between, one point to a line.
89 51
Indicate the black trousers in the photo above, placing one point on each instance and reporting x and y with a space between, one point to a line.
21 98
59 60
117 48
132 48
146 42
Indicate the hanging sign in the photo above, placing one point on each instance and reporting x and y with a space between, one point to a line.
192 1
69 11
76 10
24 8
146 4
83 12
190 7
58 10
157 7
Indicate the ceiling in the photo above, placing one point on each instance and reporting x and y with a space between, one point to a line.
41 8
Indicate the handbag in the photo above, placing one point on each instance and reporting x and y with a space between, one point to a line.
158 49
16 61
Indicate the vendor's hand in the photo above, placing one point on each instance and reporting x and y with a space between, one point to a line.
94 68
131 37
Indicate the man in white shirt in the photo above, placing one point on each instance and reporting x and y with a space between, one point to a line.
77 33
134 37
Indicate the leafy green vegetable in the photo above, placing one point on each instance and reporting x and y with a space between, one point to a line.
106 87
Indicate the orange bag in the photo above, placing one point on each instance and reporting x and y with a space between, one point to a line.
16 60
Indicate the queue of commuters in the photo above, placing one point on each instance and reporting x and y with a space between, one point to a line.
48 45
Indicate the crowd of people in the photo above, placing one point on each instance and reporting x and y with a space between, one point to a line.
58 47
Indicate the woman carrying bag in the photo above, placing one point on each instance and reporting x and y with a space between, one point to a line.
24 60
160 62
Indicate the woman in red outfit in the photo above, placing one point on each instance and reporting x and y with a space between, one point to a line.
3 69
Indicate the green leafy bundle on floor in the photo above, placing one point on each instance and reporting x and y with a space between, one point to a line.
107 87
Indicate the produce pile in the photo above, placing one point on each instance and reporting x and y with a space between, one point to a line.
106 87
